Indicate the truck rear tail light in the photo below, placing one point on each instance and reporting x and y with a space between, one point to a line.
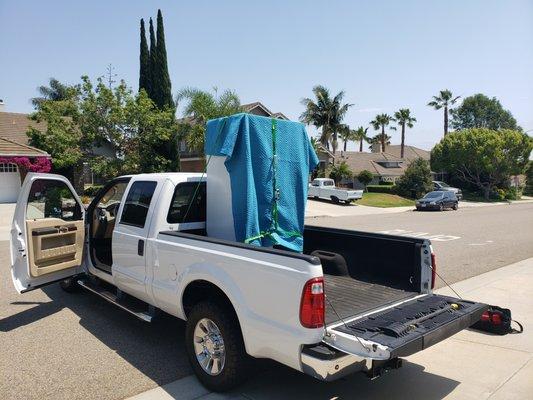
433 270
312 306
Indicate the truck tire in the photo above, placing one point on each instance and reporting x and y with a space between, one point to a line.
335 199
70 285
210 325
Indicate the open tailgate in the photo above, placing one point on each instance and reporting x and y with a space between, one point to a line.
403 328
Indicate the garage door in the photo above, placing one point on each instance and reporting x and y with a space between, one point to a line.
9 183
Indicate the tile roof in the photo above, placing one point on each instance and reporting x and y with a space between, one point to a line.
13 126
11 148
373 162
359 161
410 152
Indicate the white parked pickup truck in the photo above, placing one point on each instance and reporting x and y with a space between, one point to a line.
353 301
324 188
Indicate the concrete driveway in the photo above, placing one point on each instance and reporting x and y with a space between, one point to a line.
6 216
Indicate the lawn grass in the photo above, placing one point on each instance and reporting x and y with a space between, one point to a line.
384 200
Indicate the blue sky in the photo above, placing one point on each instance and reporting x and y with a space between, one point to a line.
384 54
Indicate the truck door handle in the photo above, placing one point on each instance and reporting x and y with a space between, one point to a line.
140 247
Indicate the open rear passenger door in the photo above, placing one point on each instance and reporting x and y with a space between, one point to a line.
47 233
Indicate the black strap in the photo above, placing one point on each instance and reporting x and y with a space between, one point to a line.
520 330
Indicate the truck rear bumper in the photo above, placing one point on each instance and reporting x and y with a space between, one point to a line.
326 364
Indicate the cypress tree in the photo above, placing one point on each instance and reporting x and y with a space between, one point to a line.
144 61
164 87
153 75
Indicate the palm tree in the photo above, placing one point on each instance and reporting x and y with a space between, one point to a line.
404 118
380 122
325 112
315 143
378 139
202 106
346 134
444 99
360 135
56 91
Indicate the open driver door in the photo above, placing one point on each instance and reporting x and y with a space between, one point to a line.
47 233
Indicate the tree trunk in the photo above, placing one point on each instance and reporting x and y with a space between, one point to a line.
403 141
78 178
361 146
486 192
383 138
345 143
334 144
445 120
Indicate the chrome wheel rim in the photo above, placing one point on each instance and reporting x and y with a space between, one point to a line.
209 347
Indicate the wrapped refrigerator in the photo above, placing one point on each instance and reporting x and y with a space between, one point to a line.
257 179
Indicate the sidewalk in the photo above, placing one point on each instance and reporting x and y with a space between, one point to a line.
470 365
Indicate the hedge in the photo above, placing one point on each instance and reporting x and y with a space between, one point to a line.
92 190
391 189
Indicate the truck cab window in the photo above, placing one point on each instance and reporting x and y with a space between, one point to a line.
188 203
137 203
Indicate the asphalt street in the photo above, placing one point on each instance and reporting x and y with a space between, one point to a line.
77 346
467 242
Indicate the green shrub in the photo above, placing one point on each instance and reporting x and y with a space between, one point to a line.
92 190
513 193
416 181
365 177
391 189
341 171
528 190
498 194
386 183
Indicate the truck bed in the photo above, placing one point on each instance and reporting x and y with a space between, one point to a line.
364 271
348 297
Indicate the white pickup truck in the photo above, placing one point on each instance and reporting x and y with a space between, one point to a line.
353 301
324 188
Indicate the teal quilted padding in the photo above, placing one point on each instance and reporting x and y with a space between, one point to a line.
262 215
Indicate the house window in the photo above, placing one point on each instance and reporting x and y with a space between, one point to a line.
8 167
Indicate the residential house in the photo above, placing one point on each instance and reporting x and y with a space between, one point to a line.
14 145
193 161
386 166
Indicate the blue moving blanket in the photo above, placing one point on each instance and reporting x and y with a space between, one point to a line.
268 161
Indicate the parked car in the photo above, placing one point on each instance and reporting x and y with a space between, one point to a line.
443 186
324 188
142 246
438 200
